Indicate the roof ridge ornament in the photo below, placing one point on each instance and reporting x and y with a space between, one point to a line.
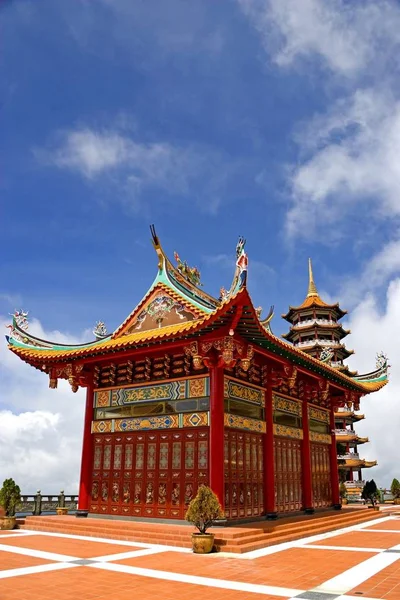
192 274
240 276
100 330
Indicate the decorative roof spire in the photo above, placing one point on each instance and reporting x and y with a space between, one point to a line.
312 288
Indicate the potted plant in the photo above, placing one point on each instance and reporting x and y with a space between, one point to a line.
395 489
370 492
10 495
203 510
62 510
343 493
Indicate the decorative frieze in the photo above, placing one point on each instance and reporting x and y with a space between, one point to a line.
318 414
321 438
244 423
239 391
172 390
290 406
178 421
286 431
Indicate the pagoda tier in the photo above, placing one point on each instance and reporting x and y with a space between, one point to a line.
315 328
193 390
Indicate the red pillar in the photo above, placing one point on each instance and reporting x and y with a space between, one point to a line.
87 456
217 431
269 462
308 502
334 466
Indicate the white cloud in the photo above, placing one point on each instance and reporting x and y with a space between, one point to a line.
350 157
40 429
347 37
374 330
133 166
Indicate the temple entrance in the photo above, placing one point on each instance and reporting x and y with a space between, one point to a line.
321 475
288 486
243 460
149 473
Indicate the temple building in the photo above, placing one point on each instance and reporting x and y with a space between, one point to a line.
316 330
192 389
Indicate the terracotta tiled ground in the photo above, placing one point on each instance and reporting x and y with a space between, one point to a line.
362 539
301 568
70 547
86 583
16 561
43 566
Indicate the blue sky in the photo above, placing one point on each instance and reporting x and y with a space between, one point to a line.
277 120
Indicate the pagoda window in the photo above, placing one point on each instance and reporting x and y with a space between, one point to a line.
288 419
318 426
244 409
148 409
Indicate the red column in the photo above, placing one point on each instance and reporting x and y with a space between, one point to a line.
334 466
87 456
308 503
217 431
269 463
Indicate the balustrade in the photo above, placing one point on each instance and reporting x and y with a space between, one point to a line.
40 503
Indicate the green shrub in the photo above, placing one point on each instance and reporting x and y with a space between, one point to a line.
395 488
10 495
343 490
370 492
204 509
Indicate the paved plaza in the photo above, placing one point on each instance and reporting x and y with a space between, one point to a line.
362 561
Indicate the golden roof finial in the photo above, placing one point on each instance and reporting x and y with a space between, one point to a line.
312 288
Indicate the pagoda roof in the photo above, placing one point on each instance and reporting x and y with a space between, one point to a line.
312 300
350 415
357 463
314 325
197 314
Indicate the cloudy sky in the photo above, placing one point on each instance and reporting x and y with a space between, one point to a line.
278 120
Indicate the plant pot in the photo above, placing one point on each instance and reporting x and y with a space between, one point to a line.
62 510
202 543
396 501
344 501
8 522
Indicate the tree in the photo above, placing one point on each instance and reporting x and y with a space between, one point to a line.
395 488
10 495
370 492
343 490
204 509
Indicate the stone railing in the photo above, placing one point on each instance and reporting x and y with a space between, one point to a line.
320 342
39 503
312 321
349 455
345 432
354 484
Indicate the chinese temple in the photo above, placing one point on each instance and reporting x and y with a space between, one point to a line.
316 330
193 389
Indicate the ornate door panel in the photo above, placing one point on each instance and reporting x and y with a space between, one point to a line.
148 474
243 460
288 490
321 475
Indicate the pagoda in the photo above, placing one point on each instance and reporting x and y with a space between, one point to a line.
191 389
315 329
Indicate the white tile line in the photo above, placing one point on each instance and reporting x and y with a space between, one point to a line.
382 531
88 538
346 597
36 553
15 534
124 555
344 548
33 570
355 576
197 580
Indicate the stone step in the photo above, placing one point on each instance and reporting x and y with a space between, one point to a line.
229 539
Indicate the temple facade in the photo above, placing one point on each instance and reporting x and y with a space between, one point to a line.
193 389
315 328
